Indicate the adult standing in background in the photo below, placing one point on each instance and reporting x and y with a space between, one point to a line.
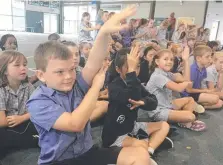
172 24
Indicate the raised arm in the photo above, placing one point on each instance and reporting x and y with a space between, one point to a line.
99 50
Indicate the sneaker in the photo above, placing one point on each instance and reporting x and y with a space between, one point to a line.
199 109
152 162
167 144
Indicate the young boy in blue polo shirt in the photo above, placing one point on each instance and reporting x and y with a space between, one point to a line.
61 108
202 56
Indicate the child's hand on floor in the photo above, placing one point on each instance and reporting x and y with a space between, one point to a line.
113 24
136 104
14 120
133 59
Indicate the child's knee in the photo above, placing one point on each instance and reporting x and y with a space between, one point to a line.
191 100
141 143
165 125
191 117
215 99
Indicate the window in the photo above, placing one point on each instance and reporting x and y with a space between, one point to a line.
18 12
7 22
18 4
50 23
5 7
72 17
19 23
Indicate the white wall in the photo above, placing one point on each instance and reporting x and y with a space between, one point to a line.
187 9
143 10
215 13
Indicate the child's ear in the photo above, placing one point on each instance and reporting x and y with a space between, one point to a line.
157 61
40 76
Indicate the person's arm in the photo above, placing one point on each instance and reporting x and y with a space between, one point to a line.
3 120
186 64
122 95
150 100
220 81
99 50
178 87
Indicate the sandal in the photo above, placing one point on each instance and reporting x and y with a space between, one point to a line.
197 126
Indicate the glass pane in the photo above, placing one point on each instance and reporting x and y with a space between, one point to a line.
19 23
7 25
69 27
70 12
46 23
18 4
18 12
5 7
92 10
53 23
82 9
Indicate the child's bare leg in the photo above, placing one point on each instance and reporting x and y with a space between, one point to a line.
158 132
210 101
100 109
133 156
186 103
220 94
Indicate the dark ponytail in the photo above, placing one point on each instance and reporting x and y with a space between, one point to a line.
119 61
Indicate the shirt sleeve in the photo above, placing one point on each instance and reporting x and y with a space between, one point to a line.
210 76
82 84
82 27
44 111
2 99
160 81
31 89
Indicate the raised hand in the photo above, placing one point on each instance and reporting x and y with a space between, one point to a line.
186 53
133 59
113 24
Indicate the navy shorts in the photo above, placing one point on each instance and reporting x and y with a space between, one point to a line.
95 156
195 96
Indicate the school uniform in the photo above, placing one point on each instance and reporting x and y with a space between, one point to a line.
196 76
212 76
157 86
46 105
120 120
14 103
144 73
85 36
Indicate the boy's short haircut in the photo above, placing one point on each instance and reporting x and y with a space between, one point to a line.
217 55
200 50
53 37
48 50
69 43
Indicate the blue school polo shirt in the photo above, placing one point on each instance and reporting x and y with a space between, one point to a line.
196 76
45 106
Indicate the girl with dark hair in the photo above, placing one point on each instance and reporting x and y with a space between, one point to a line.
8 42
126 96
16 130
146 62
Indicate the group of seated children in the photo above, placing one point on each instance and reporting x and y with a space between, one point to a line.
81 84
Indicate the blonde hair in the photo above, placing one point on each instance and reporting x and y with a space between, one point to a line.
218 55
175 48
200 50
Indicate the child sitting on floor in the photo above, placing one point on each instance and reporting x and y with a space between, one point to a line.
214 79
198 73
16 130
162 83
126 96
